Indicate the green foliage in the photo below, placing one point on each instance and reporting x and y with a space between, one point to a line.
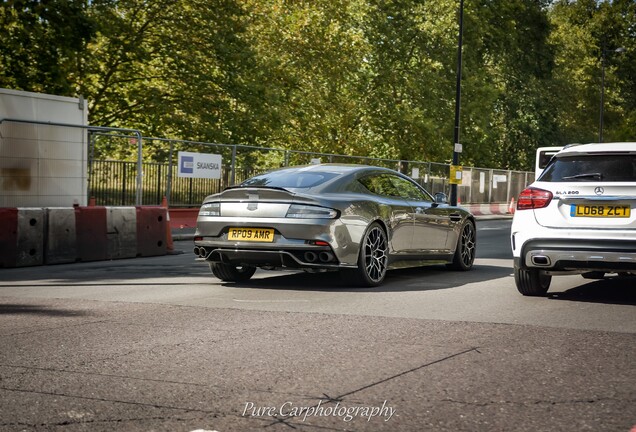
358 77
585 32
42 44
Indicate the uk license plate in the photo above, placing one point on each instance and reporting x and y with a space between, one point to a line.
603 211
251 234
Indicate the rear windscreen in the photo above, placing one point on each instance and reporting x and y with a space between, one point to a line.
589 168
288 180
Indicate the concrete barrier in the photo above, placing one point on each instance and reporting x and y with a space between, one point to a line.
151 231
183 217
121 225
56 235
92 241
30 237
60 234
8 236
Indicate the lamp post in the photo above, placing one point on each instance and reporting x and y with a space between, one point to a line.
458 92
600 123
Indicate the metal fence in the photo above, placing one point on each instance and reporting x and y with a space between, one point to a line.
116 182
131 181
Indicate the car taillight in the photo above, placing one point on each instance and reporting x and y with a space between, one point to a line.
210 209
300 211
533 198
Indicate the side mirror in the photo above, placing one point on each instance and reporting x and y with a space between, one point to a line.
441 198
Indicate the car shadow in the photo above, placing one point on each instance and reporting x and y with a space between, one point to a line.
29 309
413 279
611 290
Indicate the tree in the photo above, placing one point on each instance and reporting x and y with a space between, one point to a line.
312 52
174 68
43 44
357 77
584 31
509 61
411 84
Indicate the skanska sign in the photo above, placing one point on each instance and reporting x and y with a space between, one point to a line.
199 165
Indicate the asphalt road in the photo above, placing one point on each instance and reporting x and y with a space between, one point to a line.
158 344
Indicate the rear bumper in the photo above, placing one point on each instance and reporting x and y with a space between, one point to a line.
305 256
578 255
293 237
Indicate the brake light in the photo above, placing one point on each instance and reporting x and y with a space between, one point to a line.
533 198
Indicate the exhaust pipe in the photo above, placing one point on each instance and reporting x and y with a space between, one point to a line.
326 256
200 252
310 257
540 260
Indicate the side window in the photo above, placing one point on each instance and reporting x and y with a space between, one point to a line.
380 184
394 186
408 189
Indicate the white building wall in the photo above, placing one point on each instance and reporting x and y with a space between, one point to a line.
42 165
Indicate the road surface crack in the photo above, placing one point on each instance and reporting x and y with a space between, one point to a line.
88 373
327 399
97 399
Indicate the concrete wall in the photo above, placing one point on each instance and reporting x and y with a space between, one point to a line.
42 165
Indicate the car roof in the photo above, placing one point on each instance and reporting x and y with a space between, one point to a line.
330 167
622 147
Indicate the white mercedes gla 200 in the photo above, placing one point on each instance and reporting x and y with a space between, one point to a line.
579 216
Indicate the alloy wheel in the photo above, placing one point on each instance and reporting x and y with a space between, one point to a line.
468 244
375 254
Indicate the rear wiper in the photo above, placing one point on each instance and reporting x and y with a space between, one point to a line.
586 175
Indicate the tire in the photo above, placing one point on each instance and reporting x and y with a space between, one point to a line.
532 282
466 245
373 259
230 273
